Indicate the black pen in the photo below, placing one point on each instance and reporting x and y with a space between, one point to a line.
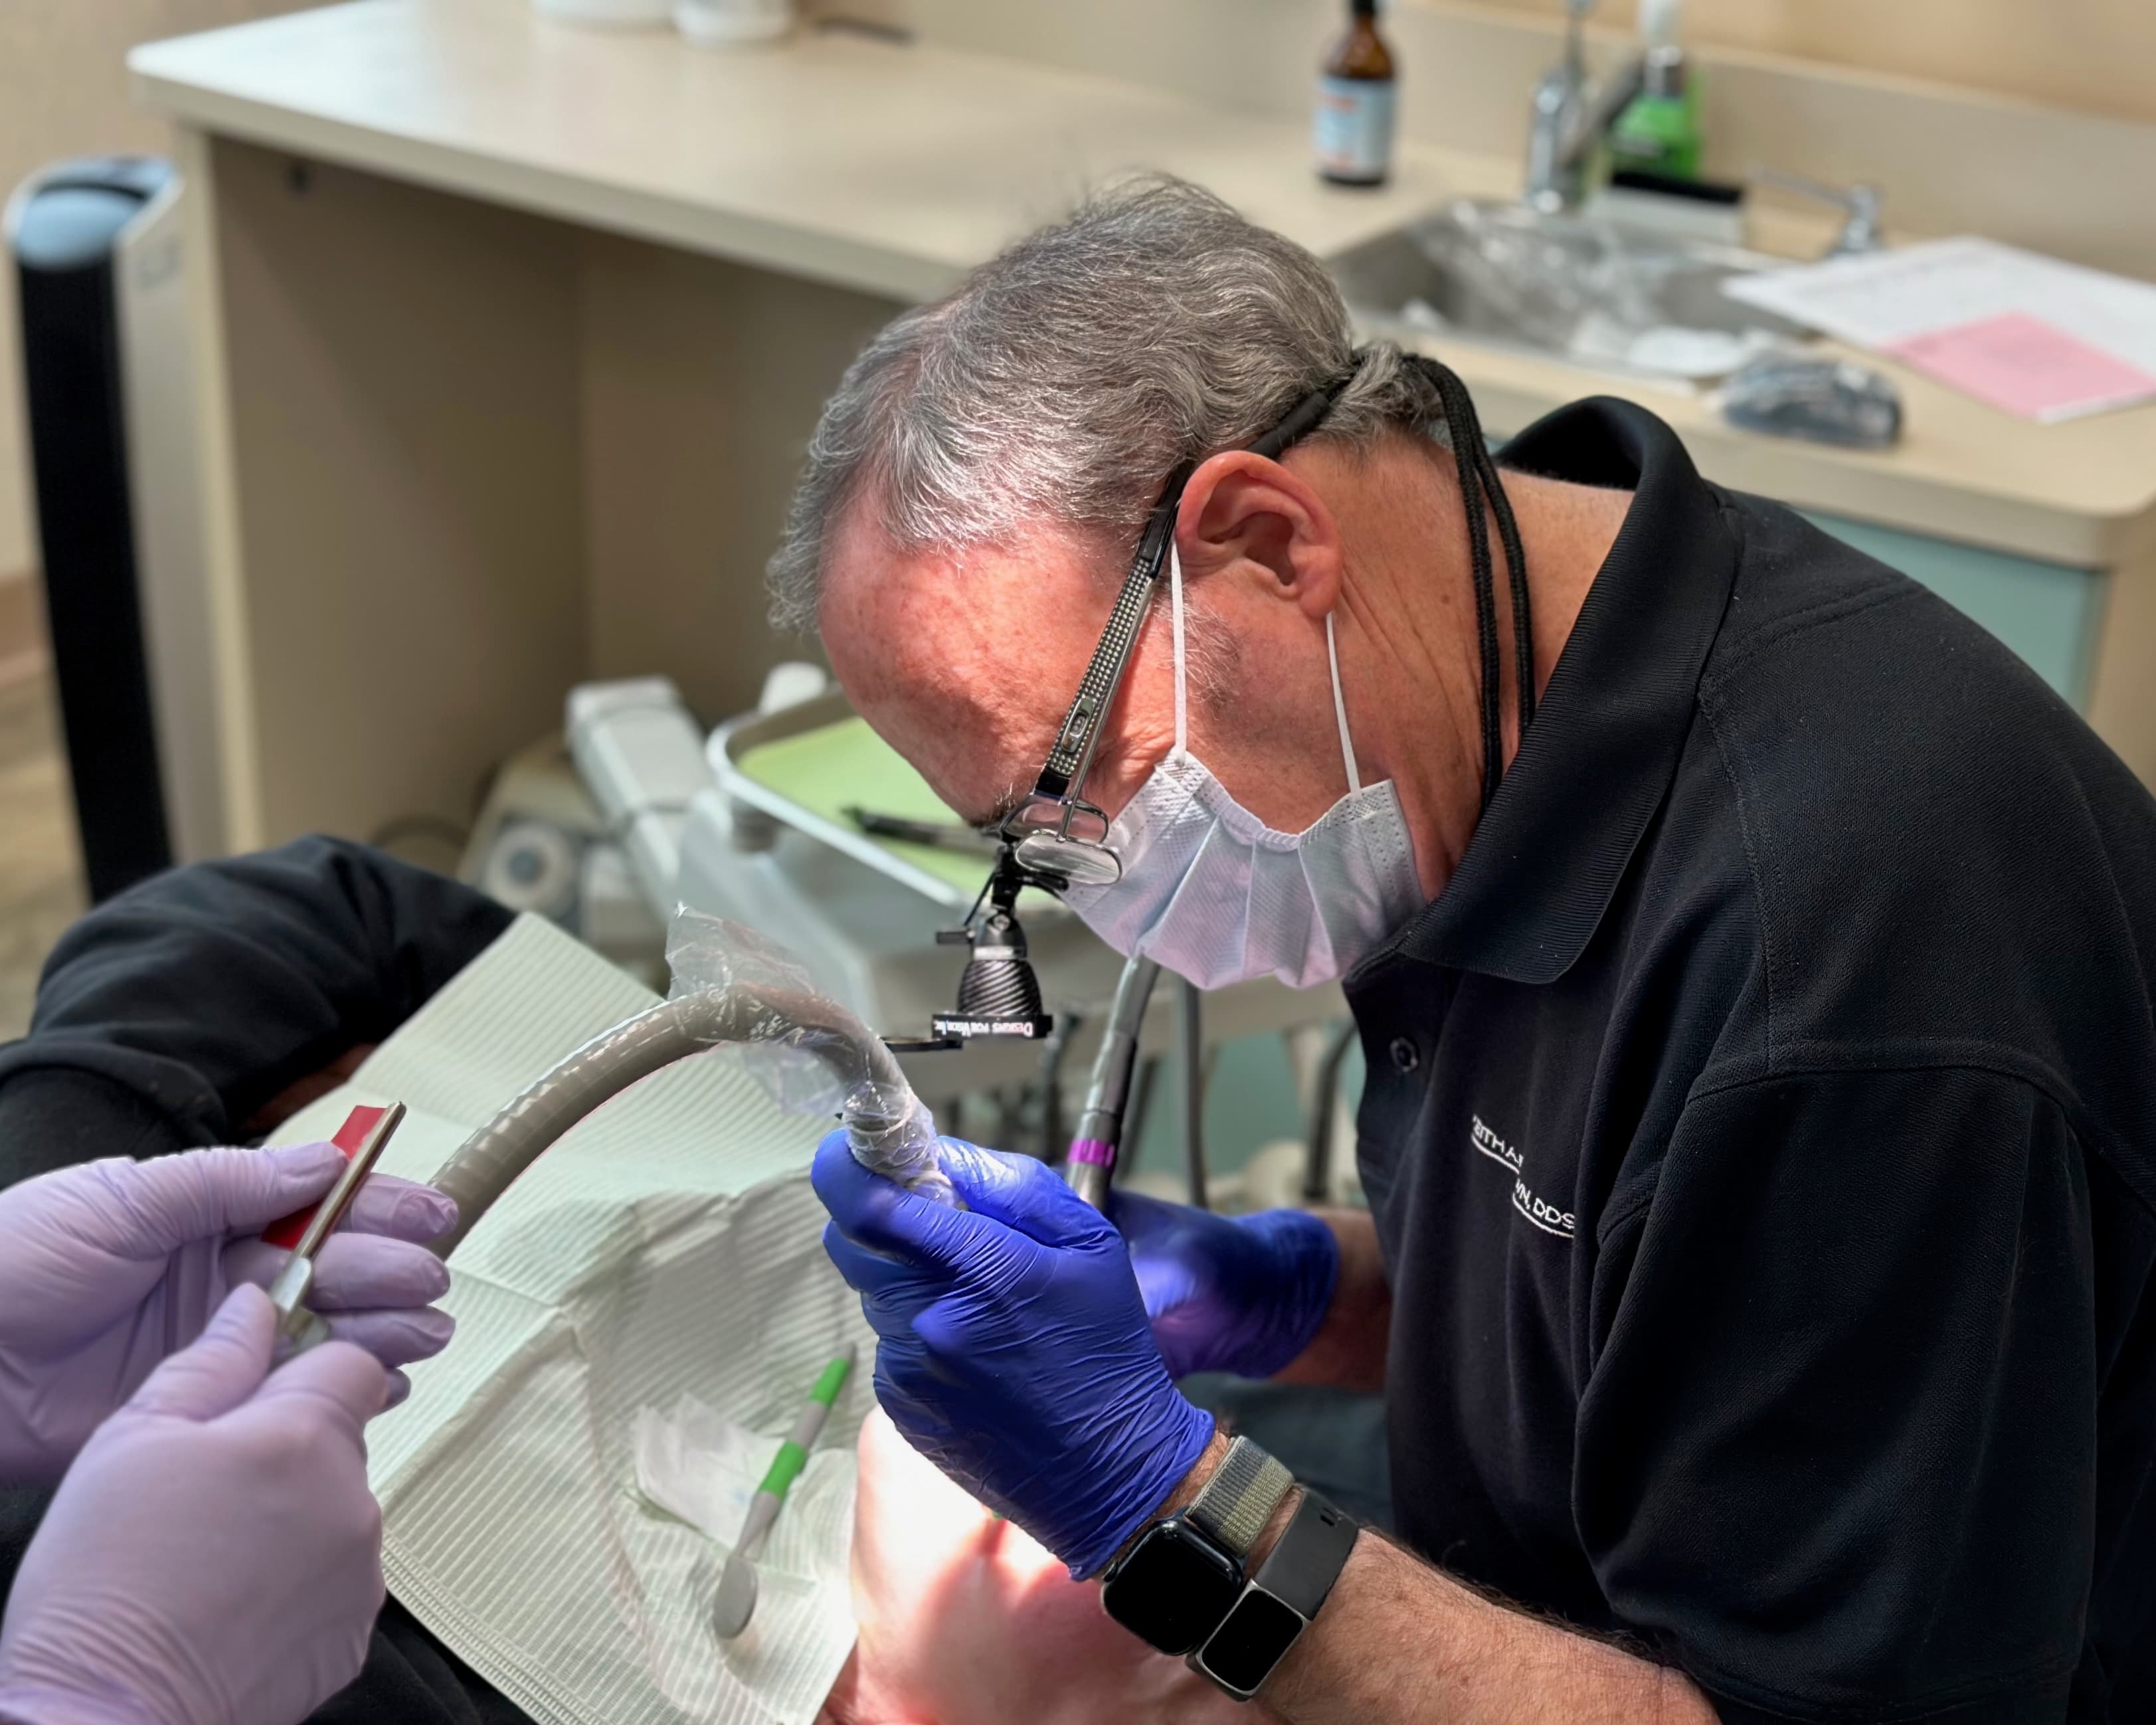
943 834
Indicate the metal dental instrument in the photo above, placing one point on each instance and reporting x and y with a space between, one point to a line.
736 1600
1092 1164
296 1322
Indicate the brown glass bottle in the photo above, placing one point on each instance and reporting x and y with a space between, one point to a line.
1353 128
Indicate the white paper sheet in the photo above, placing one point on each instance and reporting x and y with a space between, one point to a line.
668 1246
1893 302
704 1469
1880 299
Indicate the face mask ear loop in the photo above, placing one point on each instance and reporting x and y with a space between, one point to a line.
1340 710
1175 613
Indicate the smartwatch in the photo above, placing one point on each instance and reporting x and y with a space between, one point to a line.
1280 1601
1175 1587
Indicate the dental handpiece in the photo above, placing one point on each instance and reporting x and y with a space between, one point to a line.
1093 1147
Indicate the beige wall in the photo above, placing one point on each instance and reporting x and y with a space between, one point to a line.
2098 55
63 92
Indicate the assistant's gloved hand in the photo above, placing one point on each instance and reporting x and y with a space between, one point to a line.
1241 1294
108 1267
1014 1352
214 1556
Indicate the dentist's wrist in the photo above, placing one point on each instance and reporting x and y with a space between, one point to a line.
1161 1476
1185 1492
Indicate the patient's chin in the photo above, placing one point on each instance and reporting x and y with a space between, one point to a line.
966 1620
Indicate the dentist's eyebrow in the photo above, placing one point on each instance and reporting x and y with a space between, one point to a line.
1009 804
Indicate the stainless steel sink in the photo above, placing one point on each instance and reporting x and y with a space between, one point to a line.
1569 286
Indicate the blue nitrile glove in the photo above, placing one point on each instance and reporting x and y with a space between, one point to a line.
1013 1350
1242 1294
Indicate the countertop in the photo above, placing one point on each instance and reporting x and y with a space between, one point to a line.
892 168
888 168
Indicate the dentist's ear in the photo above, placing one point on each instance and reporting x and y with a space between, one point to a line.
1246 515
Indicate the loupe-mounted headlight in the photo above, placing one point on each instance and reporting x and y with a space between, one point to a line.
998 994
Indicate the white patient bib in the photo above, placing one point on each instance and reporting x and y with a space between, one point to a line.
668 1247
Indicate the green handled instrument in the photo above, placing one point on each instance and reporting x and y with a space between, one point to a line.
737 1602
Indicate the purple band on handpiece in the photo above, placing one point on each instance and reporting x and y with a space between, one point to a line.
1093 1150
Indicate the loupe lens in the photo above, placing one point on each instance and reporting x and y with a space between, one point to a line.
1080 865
1044 817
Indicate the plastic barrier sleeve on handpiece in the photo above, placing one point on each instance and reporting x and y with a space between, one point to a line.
730 987
810 1053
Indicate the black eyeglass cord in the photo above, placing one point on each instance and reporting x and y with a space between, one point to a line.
1480 484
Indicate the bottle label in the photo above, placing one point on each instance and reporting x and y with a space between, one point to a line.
1353 128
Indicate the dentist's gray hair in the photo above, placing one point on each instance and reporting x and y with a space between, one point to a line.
1063 381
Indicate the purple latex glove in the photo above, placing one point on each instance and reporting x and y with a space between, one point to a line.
1240 1294
107 1268
1013 1349
214 1556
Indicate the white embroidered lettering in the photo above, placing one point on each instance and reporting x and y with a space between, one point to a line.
1546 1216
1486 1140
1493 1147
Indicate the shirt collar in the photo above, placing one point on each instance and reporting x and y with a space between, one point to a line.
1547 855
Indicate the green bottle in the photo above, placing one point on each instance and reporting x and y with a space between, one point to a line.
1659 131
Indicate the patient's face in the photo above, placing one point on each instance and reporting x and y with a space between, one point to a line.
965 1621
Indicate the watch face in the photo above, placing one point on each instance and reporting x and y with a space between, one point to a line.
1245 1648
1174 1588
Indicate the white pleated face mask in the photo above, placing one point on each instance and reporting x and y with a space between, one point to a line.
1216 896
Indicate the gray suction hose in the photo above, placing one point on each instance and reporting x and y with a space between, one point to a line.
889 1131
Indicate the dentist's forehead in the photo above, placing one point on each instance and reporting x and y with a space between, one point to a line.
963 661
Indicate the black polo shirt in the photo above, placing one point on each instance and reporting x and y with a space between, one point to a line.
1759 1131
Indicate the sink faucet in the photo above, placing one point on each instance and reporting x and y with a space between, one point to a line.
1571 117
1859 205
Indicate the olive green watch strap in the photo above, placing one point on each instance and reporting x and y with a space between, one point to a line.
1235 1505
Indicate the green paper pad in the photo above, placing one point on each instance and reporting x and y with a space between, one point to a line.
846 765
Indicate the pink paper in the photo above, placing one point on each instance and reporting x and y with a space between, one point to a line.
2026 366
